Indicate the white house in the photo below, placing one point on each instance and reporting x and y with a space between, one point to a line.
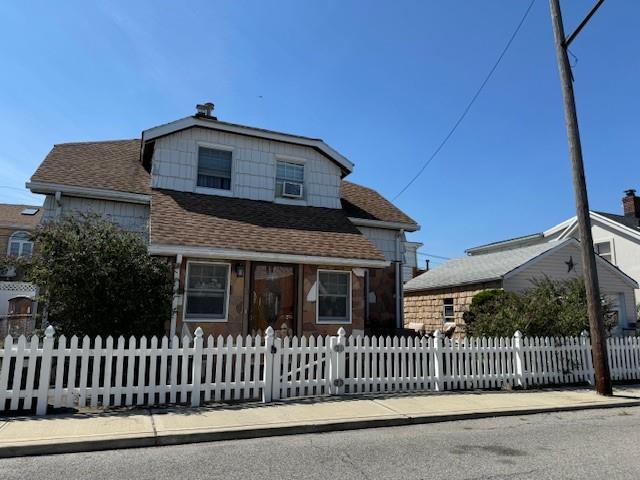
616 237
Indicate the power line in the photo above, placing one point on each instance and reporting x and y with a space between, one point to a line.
433 256
473 99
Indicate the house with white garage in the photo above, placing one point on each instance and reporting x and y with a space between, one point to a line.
261 227
438 298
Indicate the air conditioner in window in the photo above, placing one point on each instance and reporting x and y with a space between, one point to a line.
291 189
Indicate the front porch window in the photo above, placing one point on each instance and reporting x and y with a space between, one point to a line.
334 296
207 292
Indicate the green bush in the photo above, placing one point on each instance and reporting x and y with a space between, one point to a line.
550 308
96 279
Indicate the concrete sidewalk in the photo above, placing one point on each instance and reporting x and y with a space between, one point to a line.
142 428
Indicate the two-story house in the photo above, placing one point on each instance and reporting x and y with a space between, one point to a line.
261 226
17 308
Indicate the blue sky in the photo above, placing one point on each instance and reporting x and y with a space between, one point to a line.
382 82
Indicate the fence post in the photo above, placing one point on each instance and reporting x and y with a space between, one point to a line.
45 371
519 359
438 361
197 367
586 349
267 373
337 362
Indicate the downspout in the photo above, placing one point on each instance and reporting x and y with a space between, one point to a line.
399 292
176 296
58 200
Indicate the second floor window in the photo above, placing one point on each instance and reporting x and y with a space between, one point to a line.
20 245
289 180
214 168
604 250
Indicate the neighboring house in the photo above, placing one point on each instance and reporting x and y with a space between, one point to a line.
616 237
261 227
442 295
17 308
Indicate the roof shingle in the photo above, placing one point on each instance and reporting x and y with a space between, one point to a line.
365 203
11 215
109 165
184 218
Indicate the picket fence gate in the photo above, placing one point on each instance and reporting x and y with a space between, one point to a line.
71 373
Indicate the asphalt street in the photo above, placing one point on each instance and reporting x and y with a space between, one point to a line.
582 445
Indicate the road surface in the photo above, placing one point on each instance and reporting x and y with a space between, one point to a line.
591 444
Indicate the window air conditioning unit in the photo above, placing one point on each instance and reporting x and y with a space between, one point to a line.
291 189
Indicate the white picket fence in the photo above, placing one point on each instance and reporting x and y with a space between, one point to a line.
72 373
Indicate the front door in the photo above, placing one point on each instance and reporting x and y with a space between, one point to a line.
273 297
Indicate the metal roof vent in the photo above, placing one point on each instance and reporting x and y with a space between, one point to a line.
205 110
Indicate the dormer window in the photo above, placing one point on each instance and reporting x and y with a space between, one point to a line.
289 180
214 168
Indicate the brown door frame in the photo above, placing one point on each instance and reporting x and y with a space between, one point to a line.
296 293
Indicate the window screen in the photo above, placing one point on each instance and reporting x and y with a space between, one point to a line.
214 168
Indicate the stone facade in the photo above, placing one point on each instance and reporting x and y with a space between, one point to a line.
424 310
237 322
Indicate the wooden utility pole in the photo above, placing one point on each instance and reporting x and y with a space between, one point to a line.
596 323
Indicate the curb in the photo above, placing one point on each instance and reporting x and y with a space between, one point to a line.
216 436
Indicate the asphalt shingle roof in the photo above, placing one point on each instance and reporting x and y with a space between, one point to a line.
184 218
109 165
477 268
627 221
11 216
366 203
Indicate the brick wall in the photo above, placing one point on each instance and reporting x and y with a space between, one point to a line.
424 310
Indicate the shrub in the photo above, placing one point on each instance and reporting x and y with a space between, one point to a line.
550 308
96 279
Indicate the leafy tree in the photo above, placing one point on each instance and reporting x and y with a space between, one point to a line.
550 308
96 279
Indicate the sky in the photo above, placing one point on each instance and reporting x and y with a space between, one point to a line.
382 82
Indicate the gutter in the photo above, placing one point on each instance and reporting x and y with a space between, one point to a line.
88 192
229 254
365 222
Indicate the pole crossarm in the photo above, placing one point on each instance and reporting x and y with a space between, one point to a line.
575 33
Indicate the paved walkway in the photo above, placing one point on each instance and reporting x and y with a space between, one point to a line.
140 428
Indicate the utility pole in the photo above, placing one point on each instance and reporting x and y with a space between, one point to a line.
596 324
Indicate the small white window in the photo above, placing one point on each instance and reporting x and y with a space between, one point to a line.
207 292
289 179
214 168
20 245
334 296
447 310
604 250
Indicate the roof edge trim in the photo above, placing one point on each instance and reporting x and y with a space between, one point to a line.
98 193
365 222
231 254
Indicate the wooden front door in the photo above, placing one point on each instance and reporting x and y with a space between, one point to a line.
273 297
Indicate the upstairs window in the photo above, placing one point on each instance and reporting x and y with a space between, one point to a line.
604 250
289 180
20 245
334 296
448 310
207 291
214 168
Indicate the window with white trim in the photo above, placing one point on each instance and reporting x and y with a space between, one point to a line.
20 245
448 311
604 250
334 296
207 291
214 168
289 179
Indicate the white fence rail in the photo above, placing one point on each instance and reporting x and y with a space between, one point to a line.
79 373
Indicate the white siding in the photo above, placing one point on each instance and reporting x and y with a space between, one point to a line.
626 250
384 240
175 165
553 265
410 260
131 217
